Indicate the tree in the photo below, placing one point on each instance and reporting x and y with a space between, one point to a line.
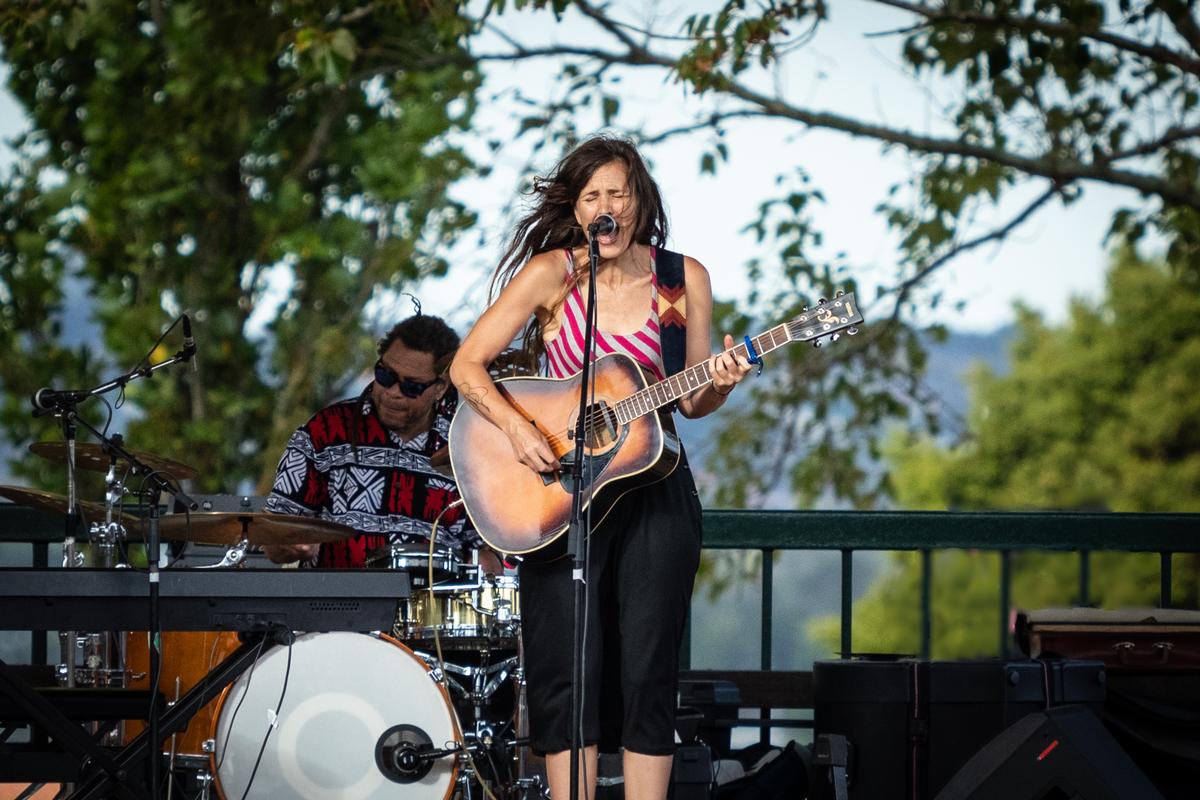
1099 413
1045 97
191 155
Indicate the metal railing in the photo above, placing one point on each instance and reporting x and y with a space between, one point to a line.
927 531
851 531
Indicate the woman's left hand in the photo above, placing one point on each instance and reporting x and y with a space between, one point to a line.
727 369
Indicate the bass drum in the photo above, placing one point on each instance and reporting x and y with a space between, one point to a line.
355 710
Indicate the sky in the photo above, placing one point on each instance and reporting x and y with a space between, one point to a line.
1058 255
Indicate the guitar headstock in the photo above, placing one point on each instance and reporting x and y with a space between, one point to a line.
827 318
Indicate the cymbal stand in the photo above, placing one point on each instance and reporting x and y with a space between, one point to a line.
155 484
235 556
104 651
71 557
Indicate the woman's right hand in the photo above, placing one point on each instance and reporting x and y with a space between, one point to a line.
531 448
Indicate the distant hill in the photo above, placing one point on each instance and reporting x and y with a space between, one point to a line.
950 361
948 365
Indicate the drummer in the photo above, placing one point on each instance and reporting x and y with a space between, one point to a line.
365 461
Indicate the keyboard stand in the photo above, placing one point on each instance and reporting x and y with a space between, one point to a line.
121 773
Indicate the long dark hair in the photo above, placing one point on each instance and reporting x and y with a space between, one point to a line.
551 224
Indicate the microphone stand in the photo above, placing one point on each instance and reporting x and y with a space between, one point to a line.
64 406
579 531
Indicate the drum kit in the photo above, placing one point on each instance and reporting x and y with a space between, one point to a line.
432 709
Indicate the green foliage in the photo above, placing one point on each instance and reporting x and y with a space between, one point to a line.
1100 413
1041 98
183 152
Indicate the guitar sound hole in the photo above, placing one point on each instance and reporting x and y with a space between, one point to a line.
602 429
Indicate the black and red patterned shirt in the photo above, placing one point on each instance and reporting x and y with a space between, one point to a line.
343 465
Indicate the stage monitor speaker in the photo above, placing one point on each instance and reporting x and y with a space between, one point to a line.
1063 753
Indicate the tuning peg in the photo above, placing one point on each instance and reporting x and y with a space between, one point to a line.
822 301
835 337
838 293
804 309
852 331
816 342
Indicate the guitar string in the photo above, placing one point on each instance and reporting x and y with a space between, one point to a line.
598 416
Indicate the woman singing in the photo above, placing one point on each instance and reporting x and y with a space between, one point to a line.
643 556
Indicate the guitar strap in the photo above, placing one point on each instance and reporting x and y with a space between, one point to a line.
672 309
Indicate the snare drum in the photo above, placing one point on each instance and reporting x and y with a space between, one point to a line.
355 709
484 616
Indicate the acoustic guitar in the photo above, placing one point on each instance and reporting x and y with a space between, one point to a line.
629 441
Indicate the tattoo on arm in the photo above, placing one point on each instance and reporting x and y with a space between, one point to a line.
474 395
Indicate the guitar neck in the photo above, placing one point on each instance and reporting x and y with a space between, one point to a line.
689 380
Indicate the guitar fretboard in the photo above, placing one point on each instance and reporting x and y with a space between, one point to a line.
688 380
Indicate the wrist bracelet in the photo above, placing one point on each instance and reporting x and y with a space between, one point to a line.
719 393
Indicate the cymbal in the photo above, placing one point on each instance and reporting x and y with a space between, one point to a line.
49 501
227 527
92 456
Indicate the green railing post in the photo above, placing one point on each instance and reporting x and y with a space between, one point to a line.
765 652
926 602
37 644
685 646
847 604
1164 579
1085 578
1005 598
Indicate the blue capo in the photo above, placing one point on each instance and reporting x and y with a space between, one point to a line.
753 357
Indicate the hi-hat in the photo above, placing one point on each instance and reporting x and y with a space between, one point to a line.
229 527
49 501
95 457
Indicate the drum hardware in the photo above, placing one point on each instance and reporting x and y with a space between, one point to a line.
95 659
405 753
235 556
192 778
174 741
485 680
532 788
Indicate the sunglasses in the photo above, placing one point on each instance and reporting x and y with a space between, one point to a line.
386 377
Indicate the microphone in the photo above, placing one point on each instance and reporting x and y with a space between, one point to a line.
602 224
47 399
189 344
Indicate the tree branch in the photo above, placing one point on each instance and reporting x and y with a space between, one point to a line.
904 289
1173 135
1154 52
1185 24
1047 166
320 136
708 122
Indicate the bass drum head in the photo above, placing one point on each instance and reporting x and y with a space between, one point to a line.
351 700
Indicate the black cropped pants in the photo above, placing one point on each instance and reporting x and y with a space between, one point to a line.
642 564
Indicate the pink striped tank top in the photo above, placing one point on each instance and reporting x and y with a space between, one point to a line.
564 353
